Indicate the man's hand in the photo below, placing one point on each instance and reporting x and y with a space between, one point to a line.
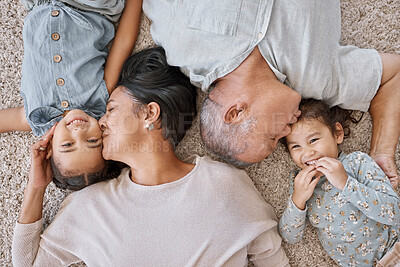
385 113
388 166
304 186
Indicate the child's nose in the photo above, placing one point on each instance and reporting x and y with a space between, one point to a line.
309 152
80 128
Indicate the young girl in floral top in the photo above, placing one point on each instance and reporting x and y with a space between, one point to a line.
347 198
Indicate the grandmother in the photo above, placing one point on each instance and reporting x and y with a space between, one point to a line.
160 210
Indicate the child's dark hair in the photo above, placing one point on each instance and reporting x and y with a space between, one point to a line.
317 109
76 182
147 77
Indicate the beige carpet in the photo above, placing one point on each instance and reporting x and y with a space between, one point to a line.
368 24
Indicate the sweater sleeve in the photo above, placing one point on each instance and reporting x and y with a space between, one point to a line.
266 250
26 250
25 243
292 223
369 190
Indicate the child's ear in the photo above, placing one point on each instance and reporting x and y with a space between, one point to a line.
339 133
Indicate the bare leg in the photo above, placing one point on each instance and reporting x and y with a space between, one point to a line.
385 112
13 119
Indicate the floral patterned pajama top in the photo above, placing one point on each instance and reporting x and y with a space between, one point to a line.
357 225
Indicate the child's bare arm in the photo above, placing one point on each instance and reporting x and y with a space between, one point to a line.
13 119
124 42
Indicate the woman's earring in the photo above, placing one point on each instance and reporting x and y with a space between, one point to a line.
150 127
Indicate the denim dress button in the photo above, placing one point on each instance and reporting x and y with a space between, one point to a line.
60 82
57 58
55 13
64 104
55 36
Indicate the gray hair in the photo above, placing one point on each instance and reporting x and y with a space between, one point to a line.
223 139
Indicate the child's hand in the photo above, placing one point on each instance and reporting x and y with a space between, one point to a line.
304 186
333 170
40 174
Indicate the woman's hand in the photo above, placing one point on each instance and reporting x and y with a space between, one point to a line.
40 174
304 186
333 170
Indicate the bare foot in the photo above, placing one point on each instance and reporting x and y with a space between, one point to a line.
387 164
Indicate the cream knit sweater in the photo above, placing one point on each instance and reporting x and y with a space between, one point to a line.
214 216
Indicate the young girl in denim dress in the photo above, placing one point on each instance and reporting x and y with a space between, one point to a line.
347 198
65 83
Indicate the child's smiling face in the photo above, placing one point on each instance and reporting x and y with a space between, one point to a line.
311 140
77 144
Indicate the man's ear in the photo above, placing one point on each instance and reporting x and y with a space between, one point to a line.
235 113
339 133
153 112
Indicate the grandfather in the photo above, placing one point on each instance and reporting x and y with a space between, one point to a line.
257 58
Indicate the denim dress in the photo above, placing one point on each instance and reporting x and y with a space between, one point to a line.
63 67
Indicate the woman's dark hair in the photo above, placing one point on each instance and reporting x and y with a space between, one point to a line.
147 77
317 109
76 182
